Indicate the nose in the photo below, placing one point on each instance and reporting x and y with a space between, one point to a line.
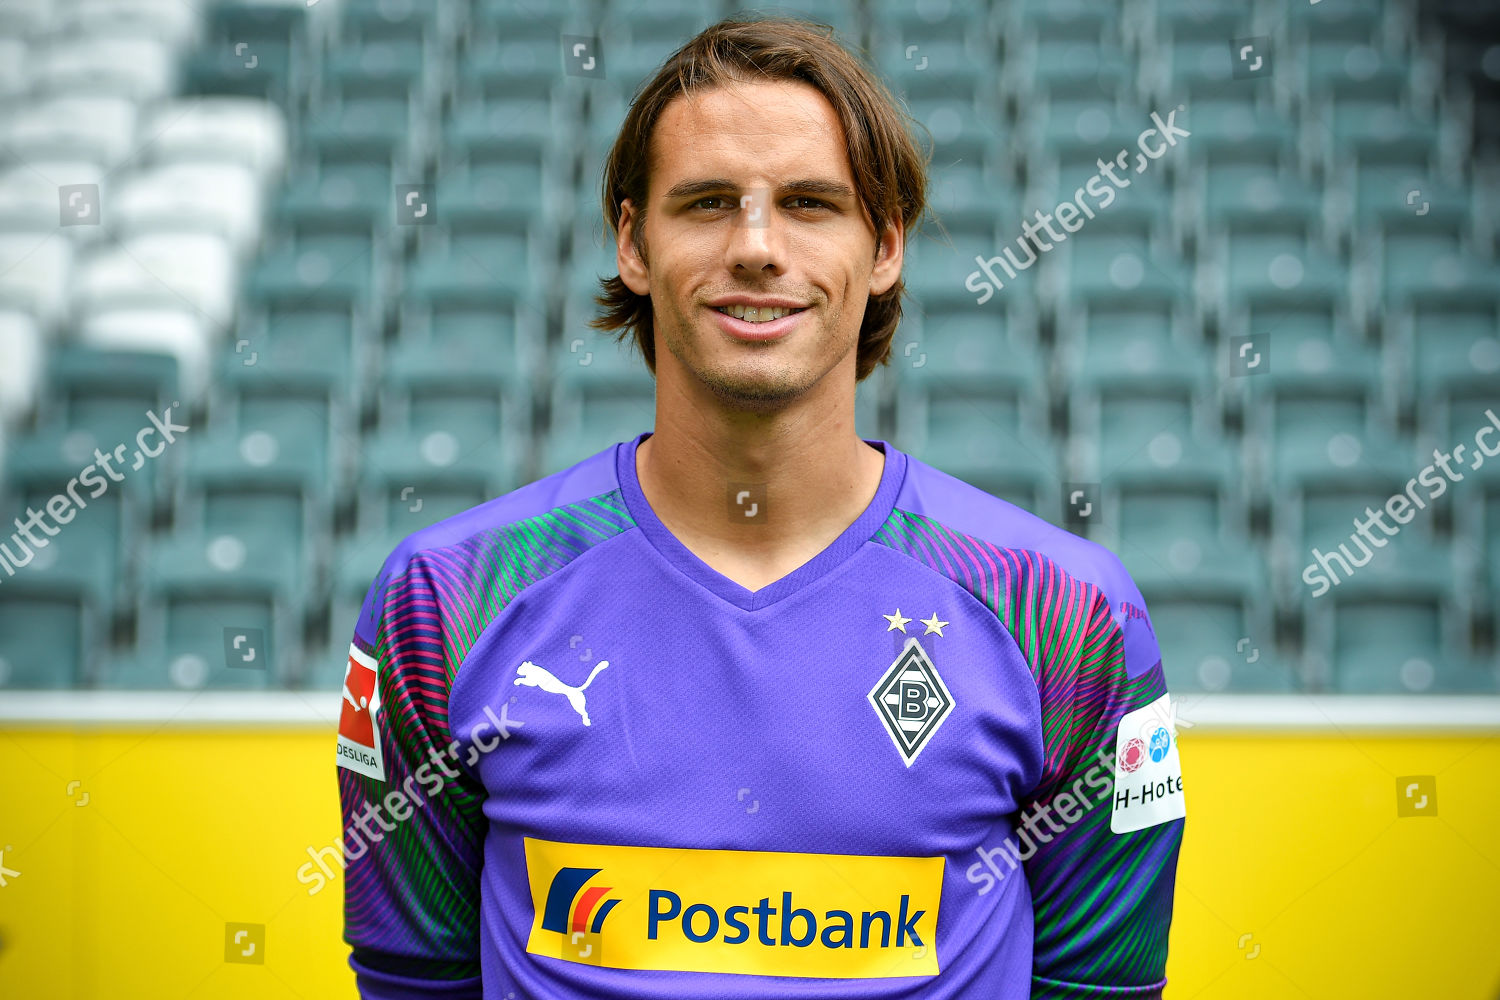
755 242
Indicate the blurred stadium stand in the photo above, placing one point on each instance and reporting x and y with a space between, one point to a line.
352 245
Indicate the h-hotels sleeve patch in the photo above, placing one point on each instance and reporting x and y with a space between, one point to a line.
359 735
1148 772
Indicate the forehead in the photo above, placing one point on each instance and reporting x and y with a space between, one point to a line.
777 129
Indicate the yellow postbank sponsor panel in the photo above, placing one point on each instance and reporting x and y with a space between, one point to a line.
768 913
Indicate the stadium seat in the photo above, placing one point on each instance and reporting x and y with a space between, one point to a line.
21 353
589 414
350 379
355 568
1256 197
1399 642
99 128
172 22
410 479
178 335
188 639
29 197
423 393
310 344
86 552
219 129
47 639
13 52
35 271
218 198
141 68
494 330
253 48
161 270
1210 617
109 393
1451 346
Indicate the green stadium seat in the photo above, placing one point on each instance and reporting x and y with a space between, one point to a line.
1280 267
87 556
410 480
48 637
1206 599
184 644
105 391
423 393
1397 643
954 338
1257 197
1451 347
356 566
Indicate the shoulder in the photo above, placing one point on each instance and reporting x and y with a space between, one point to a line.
582 500
1032 548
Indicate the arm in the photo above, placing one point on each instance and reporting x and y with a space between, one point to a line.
1103 870
413 829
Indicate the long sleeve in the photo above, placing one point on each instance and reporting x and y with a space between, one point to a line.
1100 835
413 829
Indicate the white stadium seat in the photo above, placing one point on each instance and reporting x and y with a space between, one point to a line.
180 332
160 270
98 128
141 69
12 66
233 129
175 22
220 198
27 17
30 197
35 273
21 350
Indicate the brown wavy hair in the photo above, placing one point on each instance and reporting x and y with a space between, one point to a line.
890 171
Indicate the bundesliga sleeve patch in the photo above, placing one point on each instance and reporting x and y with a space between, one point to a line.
1148 773
359 733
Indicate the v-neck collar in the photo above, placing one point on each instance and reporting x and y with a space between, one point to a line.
683 558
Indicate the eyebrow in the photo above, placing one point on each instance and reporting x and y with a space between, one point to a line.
810 185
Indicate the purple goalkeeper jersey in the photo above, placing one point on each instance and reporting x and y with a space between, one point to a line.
937 759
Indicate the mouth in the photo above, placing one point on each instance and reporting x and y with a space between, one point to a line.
748 323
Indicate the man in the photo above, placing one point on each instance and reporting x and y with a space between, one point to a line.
748 706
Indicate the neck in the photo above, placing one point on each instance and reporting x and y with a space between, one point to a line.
811 476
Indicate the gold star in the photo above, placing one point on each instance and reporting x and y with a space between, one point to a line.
896 621
933 625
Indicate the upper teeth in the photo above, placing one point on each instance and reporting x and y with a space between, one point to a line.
755 315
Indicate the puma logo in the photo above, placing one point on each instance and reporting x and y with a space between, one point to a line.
540 677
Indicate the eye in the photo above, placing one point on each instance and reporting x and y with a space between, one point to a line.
712 197
814 202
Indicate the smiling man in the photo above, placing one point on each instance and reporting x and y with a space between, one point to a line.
746 705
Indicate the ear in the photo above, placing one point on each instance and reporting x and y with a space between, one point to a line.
632 270
889 254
